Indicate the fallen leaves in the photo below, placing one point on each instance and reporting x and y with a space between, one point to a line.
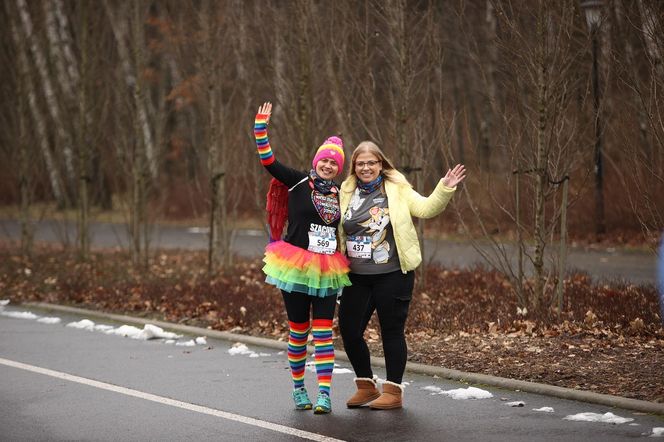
607 339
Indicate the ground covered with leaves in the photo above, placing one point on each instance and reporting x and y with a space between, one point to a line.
607 339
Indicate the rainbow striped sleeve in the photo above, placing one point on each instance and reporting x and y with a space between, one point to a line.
262 142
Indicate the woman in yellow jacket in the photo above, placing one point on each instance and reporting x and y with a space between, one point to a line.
379 237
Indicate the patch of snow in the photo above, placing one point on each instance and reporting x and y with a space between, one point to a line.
341 371
461 393
239 349
50 320
128 331
149 331
4 302
201 340
103 327
19 315
169 341
544 409
516 404
657 432
608 418
189 343
153 332
83 324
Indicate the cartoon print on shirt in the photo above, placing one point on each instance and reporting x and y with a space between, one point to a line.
379 219
355 203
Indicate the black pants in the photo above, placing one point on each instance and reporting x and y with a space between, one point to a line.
389 295
299 306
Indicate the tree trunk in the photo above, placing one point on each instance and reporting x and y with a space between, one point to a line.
132 79
632 66
540 162
51 100
489 99
65 40
219 247
83 145
304 106
25 81
55 45
562 263
140 172
24 174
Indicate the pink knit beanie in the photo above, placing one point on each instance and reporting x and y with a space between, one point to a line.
332 148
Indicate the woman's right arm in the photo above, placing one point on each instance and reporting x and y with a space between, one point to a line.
260 133
283 173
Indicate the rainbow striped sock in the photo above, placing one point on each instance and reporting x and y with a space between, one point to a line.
297 351
324 353
262 141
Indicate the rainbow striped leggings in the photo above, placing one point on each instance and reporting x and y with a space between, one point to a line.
300 309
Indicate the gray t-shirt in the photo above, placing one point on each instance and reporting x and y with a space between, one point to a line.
370 239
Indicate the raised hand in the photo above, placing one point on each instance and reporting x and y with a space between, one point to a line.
266 109
454 176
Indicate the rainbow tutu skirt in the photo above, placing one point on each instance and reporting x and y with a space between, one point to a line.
293 269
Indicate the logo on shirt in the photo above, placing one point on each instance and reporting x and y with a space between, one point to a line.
376 224
327 206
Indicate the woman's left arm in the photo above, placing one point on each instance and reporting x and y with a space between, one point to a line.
428 207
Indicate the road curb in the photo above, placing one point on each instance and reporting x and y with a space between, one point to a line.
474 378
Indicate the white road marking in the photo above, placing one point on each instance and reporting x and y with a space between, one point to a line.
172 402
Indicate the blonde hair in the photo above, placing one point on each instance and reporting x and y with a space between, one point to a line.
390 173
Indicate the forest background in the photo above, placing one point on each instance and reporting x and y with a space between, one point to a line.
142 111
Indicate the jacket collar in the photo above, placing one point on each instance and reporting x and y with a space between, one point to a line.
349 185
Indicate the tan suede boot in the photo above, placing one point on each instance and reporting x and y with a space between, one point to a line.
391 397
366 392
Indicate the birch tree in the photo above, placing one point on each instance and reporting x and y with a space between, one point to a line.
27 87
65 141
132 76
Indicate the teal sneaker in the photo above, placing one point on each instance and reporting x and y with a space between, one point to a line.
301 399
323 404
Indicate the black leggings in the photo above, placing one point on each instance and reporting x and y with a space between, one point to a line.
389 294
300 305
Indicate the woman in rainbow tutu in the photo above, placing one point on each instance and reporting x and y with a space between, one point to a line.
306 265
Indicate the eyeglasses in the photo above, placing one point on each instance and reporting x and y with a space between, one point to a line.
361 164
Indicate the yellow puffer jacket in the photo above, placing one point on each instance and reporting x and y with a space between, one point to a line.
404 203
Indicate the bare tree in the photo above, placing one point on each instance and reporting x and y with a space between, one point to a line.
646 177
543 131
27 88
24 169
83 128
132 75
60 125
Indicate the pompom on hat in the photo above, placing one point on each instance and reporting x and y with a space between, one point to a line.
332 148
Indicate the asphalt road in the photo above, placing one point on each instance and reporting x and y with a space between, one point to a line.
602 265
60 383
